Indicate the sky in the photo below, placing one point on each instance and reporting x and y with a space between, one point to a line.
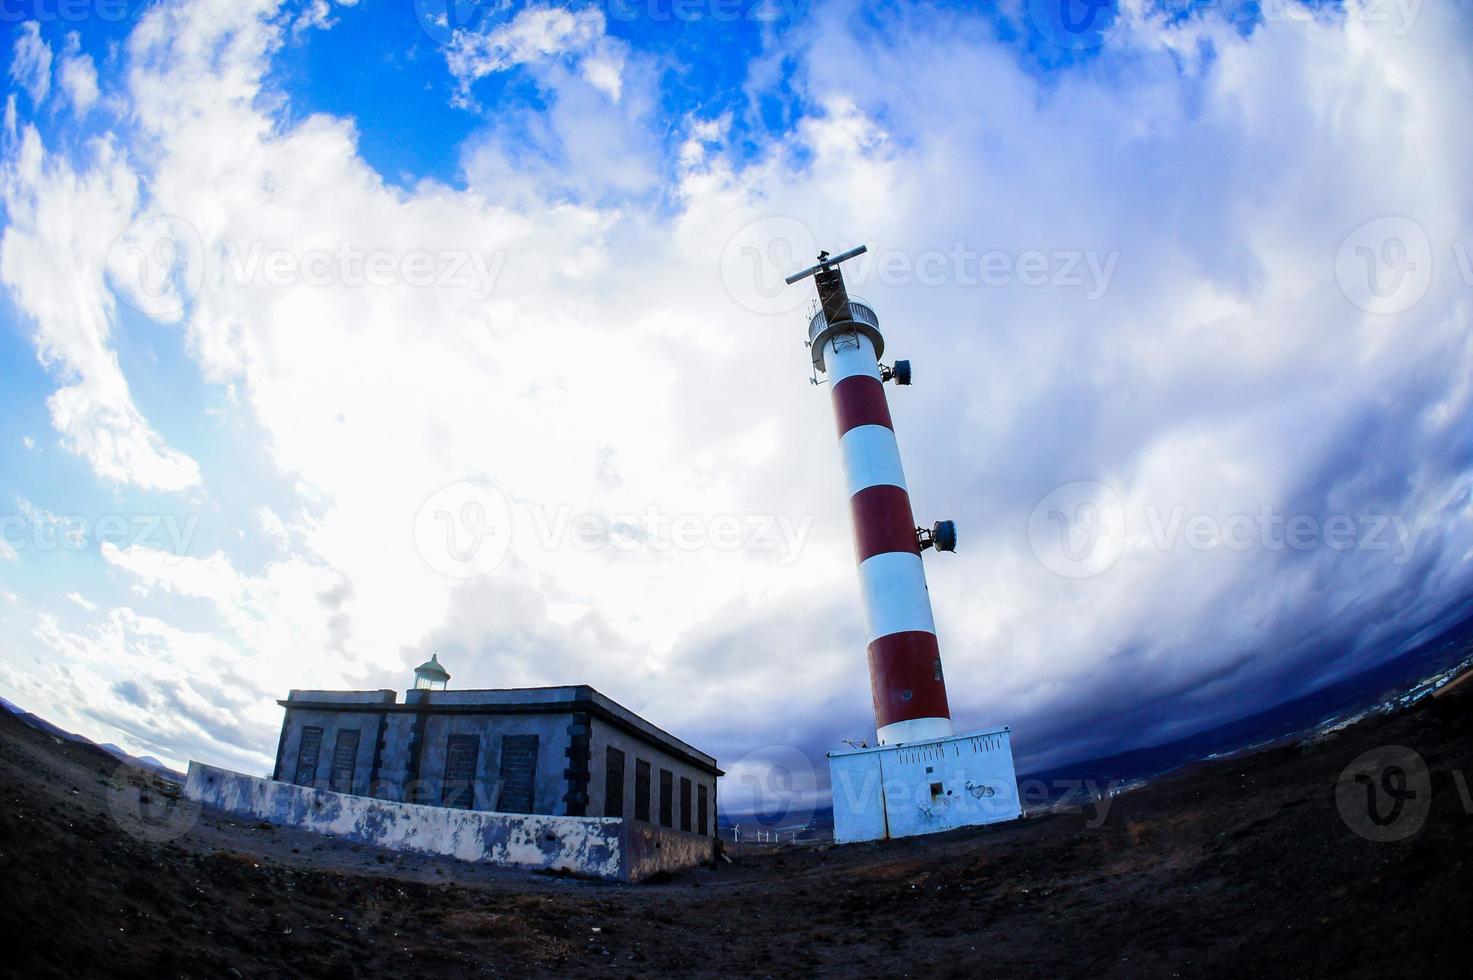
333 335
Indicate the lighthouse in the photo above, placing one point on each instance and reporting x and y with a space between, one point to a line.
920 777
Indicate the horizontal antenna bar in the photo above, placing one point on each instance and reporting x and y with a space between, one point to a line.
825 263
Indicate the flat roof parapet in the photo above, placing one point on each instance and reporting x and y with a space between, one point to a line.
512 700
343 697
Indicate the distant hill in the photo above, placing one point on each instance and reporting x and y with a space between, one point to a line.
1388 686
146 762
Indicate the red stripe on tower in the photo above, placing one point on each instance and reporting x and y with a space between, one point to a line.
882 522
902 662
860 400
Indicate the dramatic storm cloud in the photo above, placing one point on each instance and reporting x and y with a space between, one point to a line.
490 356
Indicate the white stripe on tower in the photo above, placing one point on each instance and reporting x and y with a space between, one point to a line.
871 458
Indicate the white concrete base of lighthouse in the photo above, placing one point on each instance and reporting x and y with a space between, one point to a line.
924 787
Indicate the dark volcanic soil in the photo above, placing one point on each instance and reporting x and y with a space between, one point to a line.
1242 867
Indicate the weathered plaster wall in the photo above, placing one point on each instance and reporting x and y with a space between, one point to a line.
651 849
586 845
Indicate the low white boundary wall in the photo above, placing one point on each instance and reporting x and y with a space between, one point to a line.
599 847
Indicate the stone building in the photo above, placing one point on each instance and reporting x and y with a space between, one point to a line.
561 751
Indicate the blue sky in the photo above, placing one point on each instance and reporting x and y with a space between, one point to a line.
303 303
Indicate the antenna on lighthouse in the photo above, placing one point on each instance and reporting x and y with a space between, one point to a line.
832 296
824 262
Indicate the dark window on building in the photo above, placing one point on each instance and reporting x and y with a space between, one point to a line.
613 783
344 760
703 809
641 790
307 754
666 799
518 773
684 804
459 787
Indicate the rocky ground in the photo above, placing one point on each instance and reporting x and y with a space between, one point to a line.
1244 866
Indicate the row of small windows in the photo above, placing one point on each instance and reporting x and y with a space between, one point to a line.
344 757
614 794
518 778
518 775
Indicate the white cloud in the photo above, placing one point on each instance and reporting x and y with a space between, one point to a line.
30 67
62 225
151 687
78 76
271 525
539 34
81 600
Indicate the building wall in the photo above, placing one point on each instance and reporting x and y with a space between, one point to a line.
333 724
549 785
394 758
605 736
923 787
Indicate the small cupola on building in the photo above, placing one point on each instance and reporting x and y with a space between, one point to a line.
430 676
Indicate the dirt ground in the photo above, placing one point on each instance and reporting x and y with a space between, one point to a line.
1243 866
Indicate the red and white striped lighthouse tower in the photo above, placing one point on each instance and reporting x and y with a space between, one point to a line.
904 658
